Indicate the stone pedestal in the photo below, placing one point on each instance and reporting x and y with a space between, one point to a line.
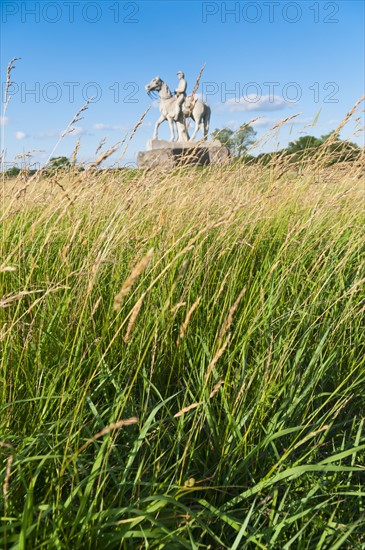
167 154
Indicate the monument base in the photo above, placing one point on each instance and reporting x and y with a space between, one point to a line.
167 154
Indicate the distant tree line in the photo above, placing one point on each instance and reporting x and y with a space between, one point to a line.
304 148
55 164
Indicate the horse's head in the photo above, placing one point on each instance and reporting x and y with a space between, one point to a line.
155 85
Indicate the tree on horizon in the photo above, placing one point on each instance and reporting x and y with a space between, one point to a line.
237 142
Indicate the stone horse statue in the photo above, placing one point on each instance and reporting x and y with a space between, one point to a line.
194 108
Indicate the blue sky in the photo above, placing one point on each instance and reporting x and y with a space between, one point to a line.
267 59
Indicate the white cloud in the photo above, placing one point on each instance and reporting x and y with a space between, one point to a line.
20 135
73 131
47 134
107 127
264 122
233 124
301 121
4 120
267 122
101 126
252 102
258 122
76 131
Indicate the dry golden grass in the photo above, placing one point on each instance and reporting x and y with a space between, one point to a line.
127 380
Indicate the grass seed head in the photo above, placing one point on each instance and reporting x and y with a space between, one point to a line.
130 281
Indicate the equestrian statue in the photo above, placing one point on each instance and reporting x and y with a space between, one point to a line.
176 109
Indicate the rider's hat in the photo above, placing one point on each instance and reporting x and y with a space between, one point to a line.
180 72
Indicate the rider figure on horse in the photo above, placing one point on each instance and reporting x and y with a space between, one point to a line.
180 93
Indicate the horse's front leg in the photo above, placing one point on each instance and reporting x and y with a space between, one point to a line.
197 126
182 132
172 128
155 133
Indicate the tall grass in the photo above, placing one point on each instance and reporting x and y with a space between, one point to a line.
182 359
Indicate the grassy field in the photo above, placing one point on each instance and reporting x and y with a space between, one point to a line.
182 359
